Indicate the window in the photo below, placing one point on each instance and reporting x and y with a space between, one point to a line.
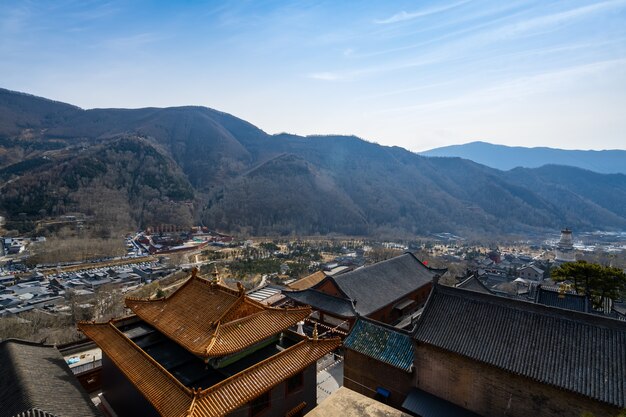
260 404
295 383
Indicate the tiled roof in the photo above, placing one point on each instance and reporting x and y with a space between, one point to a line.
308 281
36 381
237 390
165 393
424 404
212 320
377 285
382 343
340 307
474 284
566 300
172 399
578 352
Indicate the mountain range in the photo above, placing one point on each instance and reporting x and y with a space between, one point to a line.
181 165
509 157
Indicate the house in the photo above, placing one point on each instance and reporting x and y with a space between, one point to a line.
378 362
36 381
530 272
388 292
208 350
474 284
498 356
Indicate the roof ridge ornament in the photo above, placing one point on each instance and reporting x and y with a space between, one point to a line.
216 276
315 336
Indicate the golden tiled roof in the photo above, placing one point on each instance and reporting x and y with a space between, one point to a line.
164 391
308 281
237 390
172 399
212 320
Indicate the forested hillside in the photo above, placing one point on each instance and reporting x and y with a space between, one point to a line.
191 164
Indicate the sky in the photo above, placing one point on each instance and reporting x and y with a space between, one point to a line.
418 74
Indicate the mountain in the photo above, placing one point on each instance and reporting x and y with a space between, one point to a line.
189 164
509 157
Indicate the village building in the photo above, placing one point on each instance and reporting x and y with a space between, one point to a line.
208 350
496 356
36 381
472 283
531 273
390 291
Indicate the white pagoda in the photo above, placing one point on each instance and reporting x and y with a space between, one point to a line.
565 248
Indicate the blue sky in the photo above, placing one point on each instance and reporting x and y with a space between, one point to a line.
417 74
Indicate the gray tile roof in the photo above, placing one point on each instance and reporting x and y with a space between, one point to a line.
36 381
381 342
424 404
578 352
474 284
340 307
375 286
568 301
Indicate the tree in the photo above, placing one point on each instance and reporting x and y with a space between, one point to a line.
595 281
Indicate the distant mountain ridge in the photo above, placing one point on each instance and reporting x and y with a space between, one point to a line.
193 164
508 157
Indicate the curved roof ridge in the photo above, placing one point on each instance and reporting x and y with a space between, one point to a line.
214 335
215 387
239 301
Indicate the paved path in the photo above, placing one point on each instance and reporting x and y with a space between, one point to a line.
329 379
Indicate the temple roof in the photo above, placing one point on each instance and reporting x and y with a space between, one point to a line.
308 281
172 399
340 307
578 352
376 286
35 380
211 320
382 342
474 284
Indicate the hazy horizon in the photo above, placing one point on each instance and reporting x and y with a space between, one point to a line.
417 75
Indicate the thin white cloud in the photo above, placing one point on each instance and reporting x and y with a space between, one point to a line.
325 76
404 16
552 20
516 88
132 41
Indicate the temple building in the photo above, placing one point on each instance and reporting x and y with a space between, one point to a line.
208 350
565 248
35 381
496 356
390 292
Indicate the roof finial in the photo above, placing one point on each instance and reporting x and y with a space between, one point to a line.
241 288
194 272
216 275
315 331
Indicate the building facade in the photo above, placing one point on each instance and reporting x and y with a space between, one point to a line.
497 356
208 350
390 292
